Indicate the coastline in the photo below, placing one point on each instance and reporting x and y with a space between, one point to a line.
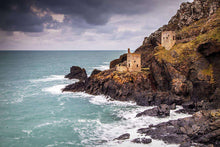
182 72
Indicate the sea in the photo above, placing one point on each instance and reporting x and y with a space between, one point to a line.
34 112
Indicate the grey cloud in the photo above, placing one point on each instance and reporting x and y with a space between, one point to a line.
17 15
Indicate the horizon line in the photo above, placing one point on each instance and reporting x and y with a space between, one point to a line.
63 50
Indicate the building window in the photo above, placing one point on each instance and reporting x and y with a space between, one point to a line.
129 65
167 38
134 61
137 65
163 38
173 37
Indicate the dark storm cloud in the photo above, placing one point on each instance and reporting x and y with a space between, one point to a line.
96 12
17 15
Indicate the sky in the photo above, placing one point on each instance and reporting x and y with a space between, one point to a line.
81 24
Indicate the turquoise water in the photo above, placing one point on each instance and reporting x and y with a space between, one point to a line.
34 111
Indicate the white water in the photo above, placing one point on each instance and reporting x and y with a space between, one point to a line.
49 78
129 123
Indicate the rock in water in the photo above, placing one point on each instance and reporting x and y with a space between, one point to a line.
203 127
123 137
142 140
161 111
77 73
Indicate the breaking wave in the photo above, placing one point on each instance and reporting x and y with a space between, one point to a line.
49 78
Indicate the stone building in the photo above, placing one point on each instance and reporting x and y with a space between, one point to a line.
168 39
133 63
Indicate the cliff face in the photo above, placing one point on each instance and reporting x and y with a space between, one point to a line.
185 16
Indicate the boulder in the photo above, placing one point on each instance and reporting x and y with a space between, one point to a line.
173 106
77 73
203 128
149 112
162 110
142 140
123 137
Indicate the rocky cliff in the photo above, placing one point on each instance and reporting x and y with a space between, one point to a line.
188 74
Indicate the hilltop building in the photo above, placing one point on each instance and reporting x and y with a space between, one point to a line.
168 39
133 63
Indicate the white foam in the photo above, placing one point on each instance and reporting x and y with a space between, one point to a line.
106 62
27 131
57 89
17 100
104 100
49 78
130 124
51 123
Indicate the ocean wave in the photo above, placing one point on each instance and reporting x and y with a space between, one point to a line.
55 122
106 63
17 100
27 131
56 89
49 78
102 99
130 124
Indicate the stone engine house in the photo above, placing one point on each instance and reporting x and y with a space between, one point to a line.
168 39
133 63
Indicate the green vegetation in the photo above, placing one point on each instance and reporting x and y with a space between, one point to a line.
209 72
204 30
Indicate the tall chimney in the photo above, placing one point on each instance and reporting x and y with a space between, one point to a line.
129 50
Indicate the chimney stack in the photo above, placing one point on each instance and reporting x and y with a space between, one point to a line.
129 50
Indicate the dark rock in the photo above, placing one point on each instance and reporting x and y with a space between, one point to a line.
146 140
94 72
136 140
203 128
79 86
142 140
188 105
123 137
163 110
77 73
149 112
173 106
121 59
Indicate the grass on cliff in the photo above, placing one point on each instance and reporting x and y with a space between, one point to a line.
202 31
207 29
209 72
200 26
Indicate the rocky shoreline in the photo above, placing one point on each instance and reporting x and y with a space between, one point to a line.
187 75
